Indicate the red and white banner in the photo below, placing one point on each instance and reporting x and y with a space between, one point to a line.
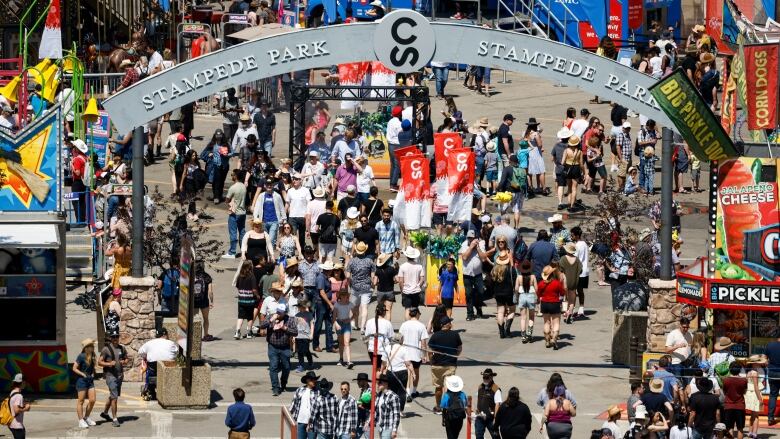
406 151
728 109
415 171
460 178
443 144
51 40
761 75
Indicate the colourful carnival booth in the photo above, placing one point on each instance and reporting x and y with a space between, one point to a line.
737 288
32 257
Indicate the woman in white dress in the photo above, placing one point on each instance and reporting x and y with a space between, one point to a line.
536 170
753 397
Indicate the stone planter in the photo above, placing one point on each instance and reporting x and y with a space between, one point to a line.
171 393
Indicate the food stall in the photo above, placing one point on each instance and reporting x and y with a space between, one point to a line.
32 257
738 285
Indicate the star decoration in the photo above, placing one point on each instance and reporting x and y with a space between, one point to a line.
35 368
34 287
32 154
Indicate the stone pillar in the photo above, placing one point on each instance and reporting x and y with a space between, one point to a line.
136 324
663 313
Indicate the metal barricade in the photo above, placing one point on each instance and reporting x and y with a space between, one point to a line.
100 83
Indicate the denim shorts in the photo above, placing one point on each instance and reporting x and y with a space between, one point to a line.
85 383
345 327
526 300
491 175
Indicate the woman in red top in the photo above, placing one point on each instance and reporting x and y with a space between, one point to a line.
550 291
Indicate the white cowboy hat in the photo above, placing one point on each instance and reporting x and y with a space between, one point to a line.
318 192
557 218
125 63
80 145
453 383
411 252
326 266
377 3
564 133
352 212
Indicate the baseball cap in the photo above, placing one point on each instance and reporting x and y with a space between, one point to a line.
508 117
471 234
18 378
445 320
626 124
281 308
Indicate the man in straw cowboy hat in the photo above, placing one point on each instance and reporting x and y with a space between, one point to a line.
655 401
411 278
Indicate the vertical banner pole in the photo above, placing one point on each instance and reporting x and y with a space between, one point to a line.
138 202
667 183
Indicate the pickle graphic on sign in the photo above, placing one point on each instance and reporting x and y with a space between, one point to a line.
747 225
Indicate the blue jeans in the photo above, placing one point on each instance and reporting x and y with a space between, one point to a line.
481 425
395 167
236 225
442 75
774 388
278 361
111 206
272 228
323 315
267 146
362 196
646 181
385 434
325 436
303 434
641 174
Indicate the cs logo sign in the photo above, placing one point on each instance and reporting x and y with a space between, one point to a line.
404 41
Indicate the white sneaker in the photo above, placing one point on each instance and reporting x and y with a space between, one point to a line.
83 424
90 422
228 256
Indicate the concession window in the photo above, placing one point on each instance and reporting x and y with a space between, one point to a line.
29 235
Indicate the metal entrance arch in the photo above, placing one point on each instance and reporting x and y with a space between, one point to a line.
404 41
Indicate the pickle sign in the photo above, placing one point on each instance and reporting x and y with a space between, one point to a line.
404 41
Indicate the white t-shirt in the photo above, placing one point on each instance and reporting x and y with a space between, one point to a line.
616 433
315 208
393 128
583 254
364 179
155 60
17 401
579 126
412 273
66 97
413 332
398 358
680 354
713 380
304 411
676 433
269 305
298 199
385 335
473 265
655 64
158 349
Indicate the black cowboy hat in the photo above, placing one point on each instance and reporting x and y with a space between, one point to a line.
532 121
325 385
309 376
489 371
361 376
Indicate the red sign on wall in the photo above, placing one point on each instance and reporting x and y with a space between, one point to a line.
761 75
636 10
588 36
615 22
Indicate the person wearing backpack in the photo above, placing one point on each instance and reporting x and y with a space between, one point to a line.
515 180
168 287
113 359
13 408
203 293
453 404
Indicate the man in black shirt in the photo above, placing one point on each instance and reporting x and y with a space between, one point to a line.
265 121
505 142
328 225
350 200
704 408
655 401
372 206
690 61
446 347
367 233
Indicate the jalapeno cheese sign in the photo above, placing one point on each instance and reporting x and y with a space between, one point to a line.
404 41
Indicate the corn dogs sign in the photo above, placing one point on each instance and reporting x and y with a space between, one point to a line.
761 74
693 119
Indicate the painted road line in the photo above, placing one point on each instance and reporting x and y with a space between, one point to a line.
162 424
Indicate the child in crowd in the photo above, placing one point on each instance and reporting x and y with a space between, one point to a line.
342 316
491 167
448 282
305 322
648 170
631 182
522 160
695 172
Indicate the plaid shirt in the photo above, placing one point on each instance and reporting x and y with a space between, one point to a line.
280 338
130 78
296 402
388 411
648 165
324 414
624 146
347 416
389 236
